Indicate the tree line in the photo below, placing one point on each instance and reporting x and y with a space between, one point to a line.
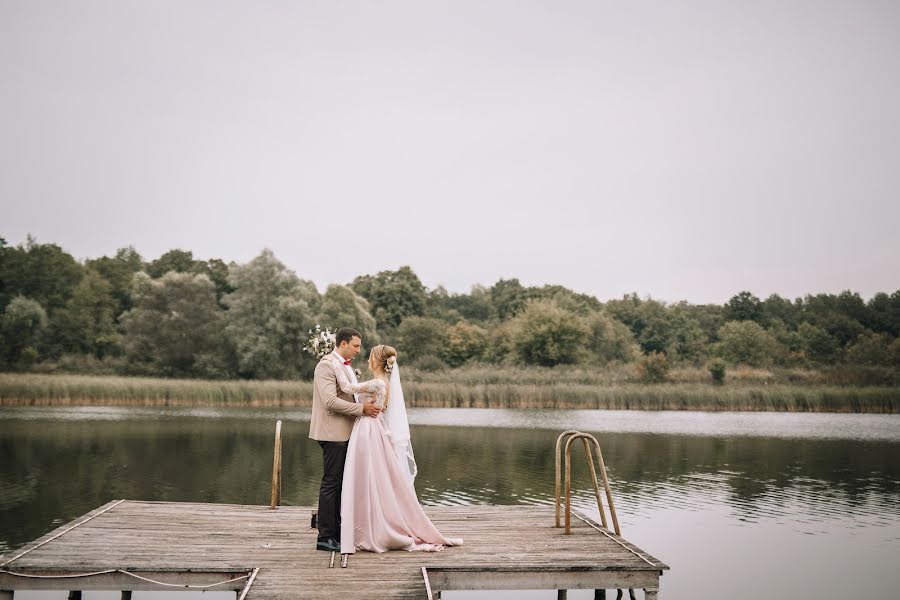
178 316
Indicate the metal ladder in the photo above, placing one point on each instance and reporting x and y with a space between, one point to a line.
589 442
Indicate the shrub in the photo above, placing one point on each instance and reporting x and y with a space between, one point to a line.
717 371
546 334
653 368
465 341
746 343
429 363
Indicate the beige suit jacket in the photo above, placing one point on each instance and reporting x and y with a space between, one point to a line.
333 411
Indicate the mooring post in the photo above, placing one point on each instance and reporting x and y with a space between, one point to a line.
126 595
75 595
276 468
7 594
599 594
562 594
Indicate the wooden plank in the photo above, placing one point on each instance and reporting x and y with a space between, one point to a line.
517 545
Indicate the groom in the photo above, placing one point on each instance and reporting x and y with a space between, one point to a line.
333 414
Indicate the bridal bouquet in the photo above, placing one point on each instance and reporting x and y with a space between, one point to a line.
320 342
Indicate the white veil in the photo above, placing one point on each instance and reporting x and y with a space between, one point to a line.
398 424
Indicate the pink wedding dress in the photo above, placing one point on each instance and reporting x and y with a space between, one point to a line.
379 507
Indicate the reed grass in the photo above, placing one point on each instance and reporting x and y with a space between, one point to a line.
500 388
75 390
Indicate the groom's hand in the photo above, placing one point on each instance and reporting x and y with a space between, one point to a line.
370 410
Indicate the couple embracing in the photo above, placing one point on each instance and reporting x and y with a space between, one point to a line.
367 500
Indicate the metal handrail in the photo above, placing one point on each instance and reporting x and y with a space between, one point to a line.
588 442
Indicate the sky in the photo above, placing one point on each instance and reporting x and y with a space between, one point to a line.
683 150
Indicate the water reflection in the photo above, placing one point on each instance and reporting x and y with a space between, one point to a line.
698 502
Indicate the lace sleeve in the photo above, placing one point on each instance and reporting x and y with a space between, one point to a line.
348 387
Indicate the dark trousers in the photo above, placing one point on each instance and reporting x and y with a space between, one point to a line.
335 454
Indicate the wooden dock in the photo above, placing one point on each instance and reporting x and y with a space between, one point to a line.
506 548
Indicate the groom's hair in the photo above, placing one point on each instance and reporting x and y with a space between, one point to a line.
345 334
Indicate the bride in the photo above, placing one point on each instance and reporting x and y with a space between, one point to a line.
379 507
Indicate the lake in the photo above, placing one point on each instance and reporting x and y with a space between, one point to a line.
740 505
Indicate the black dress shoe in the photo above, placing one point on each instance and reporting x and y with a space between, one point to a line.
329 545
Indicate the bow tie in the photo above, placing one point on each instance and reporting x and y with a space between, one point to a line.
347 363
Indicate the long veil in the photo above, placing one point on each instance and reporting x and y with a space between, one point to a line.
398 424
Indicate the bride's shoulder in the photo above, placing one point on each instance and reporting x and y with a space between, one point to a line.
379 384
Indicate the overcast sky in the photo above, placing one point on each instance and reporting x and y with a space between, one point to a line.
683 150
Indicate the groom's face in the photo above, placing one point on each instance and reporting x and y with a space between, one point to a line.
350 349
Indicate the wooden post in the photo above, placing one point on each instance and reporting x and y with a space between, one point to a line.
7 594
75 595
562 594
599 594
126 595
276 468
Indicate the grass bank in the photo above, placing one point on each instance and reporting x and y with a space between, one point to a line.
491 388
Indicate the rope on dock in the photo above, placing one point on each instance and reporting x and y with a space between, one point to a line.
57 576
20 555
130 574
619 542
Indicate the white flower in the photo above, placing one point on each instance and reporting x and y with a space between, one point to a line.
320 342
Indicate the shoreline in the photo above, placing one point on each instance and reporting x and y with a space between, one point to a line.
83 390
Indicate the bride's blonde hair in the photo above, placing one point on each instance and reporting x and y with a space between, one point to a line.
382 359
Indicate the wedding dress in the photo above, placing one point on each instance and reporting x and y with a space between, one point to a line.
379 507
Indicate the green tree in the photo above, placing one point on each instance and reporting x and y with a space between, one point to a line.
581 304
175 325
884 313
871 349
418 337
21 329
393 295
180 261
119 271
649 321
465 341
688 342
342 307
546 334
747 343
217 271
777 308
43 272
477 305
269 314
817 344
86 324
744 307
610 340
508 297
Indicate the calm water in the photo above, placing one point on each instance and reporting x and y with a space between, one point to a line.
740 505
